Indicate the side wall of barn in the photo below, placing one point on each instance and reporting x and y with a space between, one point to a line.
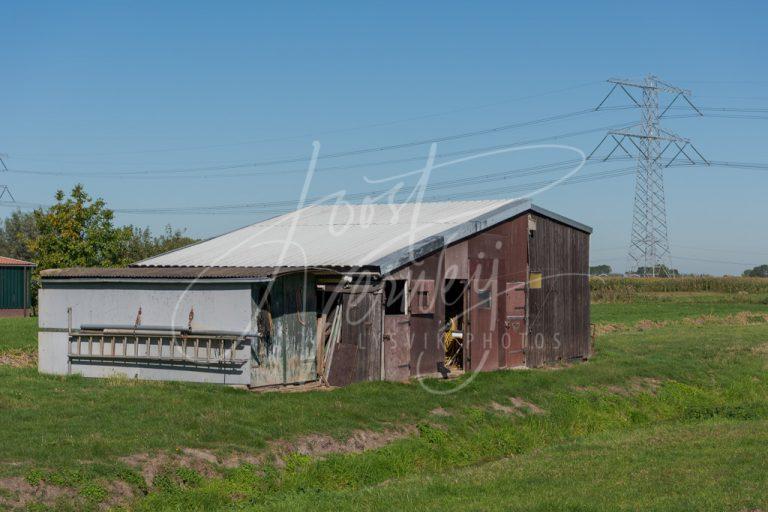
523 324
68 305
558 310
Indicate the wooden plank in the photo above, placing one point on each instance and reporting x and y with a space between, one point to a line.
333 340
342 370
320 342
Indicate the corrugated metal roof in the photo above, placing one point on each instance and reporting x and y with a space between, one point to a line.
382 235
13 262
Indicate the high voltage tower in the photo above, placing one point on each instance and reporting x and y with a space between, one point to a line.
4 188
649 252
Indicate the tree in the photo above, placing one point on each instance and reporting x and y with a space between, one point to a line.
143 245
758 271
658 271
78 231
16 233
600 270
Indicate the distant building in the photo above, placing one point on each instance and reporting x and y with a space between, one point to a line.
336 293
15 280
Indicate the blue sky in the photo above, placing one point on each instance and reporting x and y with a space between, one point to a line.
94 88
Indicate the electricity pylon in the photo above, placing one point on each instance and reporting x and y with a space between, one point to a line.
649 252
4 188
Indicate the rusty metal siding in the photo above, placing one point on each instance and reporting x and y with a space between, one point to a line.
297 325
559 310
287 353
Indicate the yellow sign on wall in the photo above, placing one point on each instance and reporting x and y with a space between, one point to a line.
534 280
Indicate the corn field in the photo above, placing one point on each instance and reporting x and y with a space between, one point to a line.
620 289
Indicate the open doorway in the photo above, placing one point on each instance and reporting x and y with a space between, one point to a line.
455 322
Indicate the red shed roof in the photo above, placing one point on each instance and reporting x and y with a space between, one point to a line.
13 262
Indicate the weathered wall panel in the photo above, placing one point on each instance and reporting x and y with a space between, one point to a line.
286 354
397 347
559 310
357 357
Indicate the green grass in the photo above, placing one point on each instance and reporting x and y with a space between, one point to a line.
18 334
659 311
717 465
695 440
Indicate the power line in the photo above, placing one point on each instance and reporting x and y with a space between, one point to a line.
408 144
261 172
340 130
283 206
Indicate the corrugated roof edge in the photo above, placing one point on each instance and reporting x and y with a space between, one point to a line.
175 273
5 261
400 258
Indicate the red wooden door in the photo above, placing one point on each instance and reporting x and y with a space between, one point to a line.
485 260
513 338
483 335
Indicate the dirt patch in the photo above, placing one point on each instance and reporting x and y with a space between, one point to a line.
19 494
601 329
640 325
645 385
439 411
740 318
634 386
204 455
644 325
152 465
208 464
18 358
317 445
761 349
120 494
518 407
506 409
526 406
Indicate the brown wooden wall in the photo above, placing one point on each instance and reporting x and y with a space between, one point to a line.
559 311
556 326
423 329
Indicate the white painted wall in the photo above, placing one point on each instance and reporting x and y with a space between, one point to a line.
217 306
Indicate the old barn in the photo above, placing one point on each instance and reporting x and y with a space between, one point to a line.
333 293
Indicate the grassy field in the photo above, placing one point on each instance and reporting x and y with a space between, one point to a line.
671 417
18 334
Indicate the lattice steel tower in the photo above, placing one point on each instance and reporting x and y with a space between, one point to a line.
649 252
4 188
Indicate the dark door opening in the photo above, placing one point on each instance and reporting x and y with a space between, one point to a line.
455 322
